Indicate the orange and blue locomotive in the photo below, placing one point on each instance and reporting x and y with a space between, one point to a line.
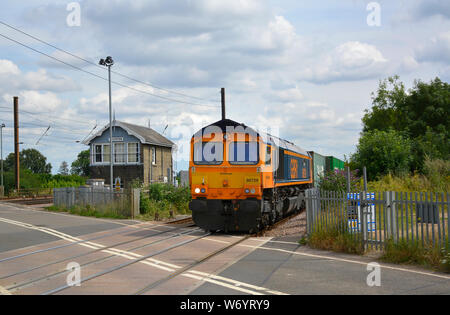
243 180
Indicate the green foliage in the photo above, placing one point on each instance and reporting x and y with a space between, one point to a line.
435 179
81 165
59 180
412 252
29 180
336 240
107 211
30 159
383 152
438 173
164 199
337 181
420 114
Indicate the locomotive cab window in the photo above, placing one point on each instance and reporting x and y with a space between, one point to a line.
208 153
243 153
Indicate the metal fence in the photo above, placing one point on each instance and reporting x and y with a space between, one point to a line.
377 217
119 202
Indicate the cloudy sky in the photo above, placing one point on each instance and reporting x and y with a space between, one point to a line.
305 69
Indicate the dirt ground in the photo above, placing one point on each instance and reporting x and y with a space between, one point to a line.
294 226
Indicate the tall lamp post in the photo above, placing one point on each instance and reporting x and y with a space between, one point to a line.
108 62
1 150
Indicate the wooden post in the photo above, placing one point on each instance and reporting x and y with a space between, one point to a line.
135 194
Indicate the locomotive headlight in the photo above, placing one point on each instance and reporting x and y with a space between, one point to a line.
253 190
197 190
247 190
203 190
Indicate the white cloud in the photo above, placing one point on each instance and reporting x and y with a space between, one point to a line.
7 67
12 78
347 62
293 66
437 49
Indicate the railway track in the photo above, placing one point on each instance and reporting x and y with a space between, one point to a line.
176 229
181 221
30 201
84 254
123 265
132 256
189 267
114 252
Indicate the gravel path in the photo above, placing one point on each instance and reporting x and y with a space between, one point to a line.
294 226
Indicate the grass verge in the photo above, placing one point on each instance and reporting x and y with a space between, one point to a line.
401 252
414 253
336 241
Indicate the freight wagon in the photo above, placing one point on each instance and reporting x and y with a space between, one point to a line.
334 163
319 166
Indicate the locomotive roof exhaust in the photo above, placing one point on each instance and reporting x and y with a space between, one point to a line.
222 92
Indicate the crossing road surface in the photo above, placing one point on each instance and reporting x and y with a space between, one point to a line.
132 257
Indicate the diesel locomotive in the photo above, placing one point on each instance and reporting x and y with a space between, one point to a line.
243 180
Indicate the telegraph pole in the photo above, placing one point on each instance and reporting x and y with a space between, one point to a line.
16 141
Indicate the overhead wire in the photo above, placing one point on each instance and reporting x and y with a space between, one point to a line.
97 65
102 78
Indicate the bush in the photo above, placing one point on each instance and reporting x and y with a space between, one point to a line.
438 173
410 252
383 152
337 181
29 180
164 200
335 240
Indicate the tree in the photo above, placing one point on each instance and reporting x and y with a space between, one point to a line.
30 159
81 165
383 152
386 104
421 114
64 168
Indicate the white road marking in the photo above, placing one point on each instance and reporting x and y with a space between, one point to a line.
235 285
31 209
3 291
348 261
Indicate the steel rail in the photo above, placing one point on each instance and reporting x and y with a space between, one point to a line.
112 269
28 283
190 266
181 221
78 242
90 252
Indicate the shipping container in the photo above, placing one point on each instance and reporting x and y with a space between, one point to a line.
319 166
334 163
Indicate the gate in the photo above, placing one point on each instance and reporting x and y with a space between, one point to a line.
377 217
